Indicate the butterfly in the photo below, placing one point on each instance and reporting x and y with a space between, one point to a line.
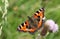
33 23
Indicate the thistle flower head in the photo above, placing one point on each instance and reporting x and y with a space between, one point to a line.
51 25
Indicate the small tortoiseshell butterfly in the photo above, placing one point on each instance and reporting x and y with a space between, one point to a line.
33 23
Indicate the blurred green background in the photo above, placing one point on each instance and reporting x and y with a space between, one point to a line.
18 11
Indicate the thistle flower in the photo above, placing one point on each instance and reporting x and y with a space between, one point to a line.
51 25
